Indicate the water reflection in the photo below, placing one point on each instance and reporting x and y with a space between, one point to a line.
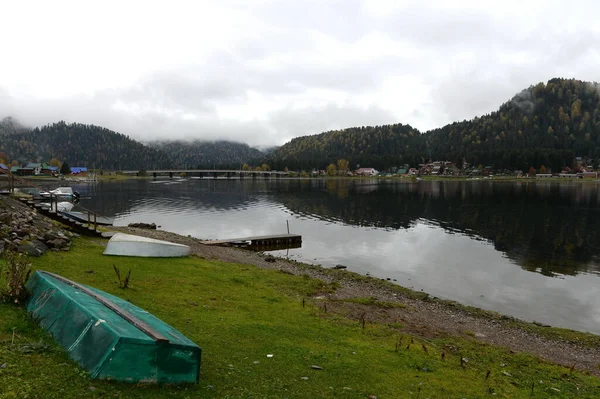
456 240
546 227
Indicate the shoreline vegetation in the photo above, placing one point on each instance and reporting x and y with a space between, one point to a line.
331 333
116 176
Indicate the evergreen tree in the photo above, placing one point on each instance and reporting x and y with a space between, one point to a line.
65 169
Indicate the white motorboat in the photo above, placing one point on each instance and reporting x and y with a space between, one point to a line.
61 192
130 245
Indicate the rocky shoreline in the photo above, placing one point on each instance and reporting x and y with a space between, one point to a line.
24 230
418 313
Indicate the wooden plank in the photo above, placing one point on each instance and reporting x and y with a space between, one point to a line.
254 239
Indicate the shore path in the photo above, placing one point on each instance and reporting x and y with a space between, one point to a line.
423 318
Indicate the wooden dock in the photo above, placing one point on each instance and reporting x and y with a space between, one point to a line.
260 241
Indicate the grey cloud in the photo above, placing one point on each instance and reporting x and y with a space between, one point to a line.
471 61
524 101
291 122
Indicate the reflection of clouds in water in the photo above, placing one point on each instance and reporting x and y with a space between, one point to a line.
403 231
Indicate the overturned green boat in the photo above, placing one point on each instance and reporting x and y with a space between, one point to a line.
110 337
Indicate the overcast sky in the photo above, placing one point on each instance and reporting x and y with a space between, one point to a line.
265 71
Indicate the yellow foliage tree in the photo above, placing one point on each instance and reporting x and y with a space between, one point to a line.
342 165
331 170
55 162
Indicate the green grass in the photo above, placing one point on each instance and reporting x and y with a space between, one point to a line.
238 314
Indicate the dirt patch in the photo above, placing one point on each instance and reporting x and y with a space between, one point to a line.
423 317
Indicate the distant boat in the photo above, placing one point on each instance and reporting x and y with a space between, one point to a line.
61 192
130 245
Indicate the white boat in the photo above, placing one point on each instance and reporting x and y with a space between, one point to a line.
61 192
129 245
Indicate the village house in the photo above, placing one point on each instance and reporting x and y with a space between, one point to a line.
37 168
366 172
450 169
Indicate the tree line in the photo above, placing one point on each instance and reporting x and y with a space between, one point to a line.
547 124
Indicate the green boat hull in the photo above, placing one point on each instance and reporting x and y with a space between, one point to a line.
110 337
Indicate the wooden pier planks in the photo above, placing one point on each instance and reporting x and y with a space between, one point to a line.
258 240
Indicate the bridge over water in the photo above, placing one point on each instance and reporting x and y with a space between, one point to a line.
211 173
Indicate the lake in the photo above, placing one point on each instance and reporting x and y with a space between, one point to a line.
526 249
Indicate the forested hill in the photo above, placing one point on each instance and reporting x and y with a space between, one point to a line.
377 146
94 146
207 154
80 145
546 124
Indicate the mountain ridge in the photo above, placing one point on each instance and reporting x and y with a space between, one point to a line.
546 124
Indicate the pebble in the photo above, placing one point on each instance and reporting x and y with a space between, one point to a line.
304 378
3 366
315 367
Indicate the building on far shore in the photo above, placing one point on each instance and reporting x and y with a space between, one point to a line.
366 172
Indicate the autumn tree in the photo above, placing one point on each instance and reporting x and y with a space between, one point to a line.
258 168
286 170
265 167
246 167
531 171
342 165
543 169
55 162
331 170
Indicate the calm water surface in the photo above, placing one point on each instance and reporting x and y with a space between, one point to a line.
527 249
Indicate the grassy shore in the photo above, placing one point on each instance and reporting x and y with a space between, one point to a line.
239 314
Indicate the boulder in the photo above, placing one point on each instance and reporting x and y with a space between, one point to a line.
58 243
29 249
